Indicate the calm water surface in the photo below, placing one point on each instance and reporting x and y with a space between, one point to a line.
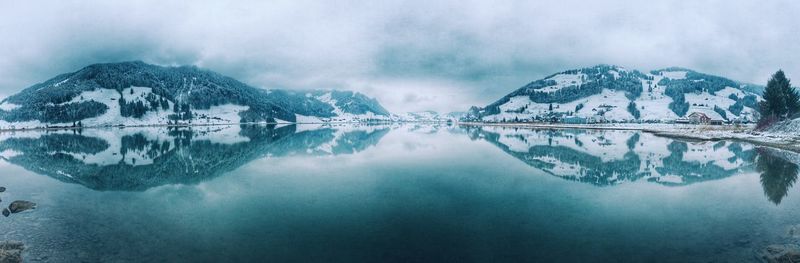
404 193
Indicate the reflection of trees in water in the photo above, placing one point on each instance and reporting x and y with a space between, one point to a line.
177 160
140 143
777 174
636 163
71 143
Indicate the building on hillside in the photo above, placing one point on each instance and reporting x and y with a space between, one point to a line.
705 116
698 118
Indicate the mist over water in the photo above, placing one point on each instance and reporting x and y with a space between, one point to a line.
397 193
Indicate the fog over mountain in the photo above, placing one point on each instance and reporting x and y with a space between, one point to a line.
410 55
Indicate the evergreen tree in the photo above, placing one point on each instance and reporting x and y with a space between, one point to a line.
781 101
634 110
721 112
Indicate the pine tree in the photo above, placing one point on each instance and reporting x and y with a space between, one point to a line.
781 101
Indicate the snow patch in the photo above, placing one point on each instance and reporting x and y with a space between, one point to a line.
8 106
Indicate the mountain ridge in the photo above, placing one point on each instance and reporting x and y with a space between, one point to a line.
137 93
614 93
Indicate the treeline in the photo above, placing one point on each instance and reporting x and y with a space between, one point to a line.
695 82
139 107
593 81
56 113
200 89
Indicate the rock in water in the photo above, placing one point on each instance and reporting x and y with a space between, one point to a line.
21 205
11 251
780 253
6 212
2 189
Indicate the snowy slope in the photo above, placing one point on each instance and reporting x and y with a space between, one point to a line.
139 94
616 94
346 107
420 116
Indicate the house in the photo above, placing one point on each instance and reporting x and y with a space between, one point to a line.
705 116
698 118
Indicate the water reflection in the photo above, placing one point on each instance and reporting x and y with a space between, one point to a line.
138 159
778 174
606 158
399 193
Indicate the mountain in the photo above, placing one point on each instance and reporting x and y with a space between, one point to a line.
420 116
455 115
617 94
136 93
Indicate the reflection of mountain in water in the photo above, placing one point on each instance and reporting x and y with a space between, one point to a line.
612 157
137 159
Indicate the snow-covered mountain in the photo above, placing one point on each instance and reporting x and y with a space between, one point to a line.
136 93
615 93
419 116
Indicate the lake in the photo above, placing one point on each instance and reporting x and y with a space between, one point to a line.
395 193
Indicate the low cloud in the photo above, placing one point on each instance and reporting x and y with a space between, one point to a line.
411 55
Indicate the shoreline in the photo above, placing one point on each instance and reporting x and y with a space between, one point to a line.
686 132
59 128
676 131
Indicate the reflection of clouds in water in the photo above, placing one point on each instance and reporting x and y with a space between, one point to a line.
413 146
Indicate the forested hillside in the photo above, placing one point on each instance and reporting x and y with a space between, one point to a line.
612 93
136 93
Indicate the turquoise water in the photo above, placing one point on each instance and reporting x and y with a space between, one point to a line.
403 193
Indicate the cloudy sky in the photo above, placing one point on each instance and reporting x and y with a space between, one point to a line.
411 55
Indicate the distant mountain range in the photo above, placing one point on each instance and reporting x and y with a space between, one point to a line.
612 93
140 94
136 93
428 116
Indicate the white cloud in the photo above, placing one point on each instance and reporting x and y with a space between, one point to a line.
447 54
